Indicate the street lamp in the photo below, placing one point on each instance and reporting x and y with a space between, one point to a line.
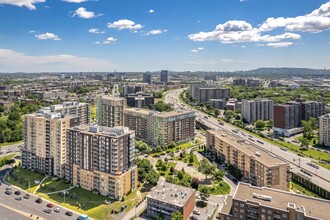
29 182
298 160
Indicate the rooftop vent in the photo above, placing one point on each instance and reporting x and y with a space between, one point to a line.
262 197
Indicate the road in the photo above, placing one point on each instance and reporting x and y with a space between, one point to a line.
173 98
28 205
14 148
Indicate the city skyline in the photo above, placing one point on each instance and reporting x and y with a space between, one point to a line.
91 35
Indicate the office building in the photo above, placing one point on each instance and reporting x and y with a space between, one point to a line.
102 159
128 89
164 76
166 198
44 148
110 111
139 100
259 109
262 203
82 110
239 82
324 130
147 78
218 103
258 167
160 128
203 93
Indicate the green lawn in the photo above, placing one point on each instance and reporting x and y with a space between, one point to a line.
5 144
218 188
23 174
57 184
7 157
186 158
302 190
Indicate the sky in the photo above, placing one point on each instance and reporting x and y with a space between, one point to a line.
151 35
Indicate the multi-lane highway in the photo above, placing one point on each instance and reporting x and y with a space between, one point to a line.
297 162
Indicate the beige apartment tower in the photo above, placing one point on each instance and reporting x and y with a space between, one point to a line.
110 111
44 148
324 130
259 167
102 159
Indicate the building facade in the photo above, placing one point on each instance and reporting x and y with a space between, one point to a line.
167 198
102 159
218 103
239 82
147 78
324 130
160 128
139 100
259 109
110 111
249 202
44 148
164 76
133 89
258 167
286 117
203 93
82 110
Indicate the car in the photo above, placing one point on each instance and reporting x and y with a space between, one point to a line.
8 192
68 213
193 217
17 193
108 202
8 188
283 149
27 196
50 205
57 210
196 212
38 200
18 198
48 211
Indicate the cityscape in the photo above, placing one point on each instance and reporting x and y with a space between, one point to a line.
122 110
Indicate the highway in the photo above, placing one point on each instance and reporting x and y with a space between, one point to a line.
295 161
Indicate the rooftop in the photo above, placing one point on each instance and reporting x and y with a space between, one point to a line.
102 130
282 199
171 193
246 147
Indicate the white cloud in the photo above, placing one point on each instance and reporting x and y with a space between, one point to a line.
196 50
156 32
96 31
47 36
109 40
83 13
151 11
75 1
12 61
323 10
30 4
279 44
124 24
32 31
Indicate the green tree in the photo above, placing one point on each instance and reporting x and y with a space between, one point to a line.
304 142
216 112
260 124
229 114
307 128
177 216
218 174
152 177
205 167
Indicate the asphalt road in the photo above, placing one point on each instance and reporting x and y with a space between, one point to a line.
7 214
295 160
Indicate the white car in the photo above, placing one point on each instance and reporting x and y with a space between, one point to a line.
57 210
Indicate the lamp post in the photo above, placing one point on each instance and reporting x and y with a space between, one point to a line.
29 182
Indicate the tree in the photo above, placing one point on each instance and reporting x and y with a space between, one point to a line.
307 128
194 183
216 112
304 142
229 114
260 124
177 216
152 177
159 149
218 174
205 167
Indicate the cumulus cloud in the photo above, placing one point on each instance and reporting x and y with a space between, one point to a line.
279 44
151 11
196 50
96 31
156 32
47 36
83 13
234 31
12 61
124 24
30 4
75 1
109 40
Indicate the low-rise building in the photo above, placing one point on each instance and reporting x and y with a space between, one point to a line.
167 198
249 202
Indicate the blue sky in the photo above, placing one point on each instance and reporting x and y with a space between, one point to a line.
150 35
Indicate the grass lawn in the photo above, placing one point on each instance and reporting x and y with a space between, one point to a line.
302 190
25 174
202 130
7 157
218 188
57 184
186 158
326 166
5 144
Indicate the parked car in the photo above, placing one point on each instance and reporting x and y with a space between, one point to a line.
196 212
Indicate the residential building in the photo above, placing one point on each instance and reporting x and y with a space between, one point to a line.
128 89
166 198
259 109
44 148
6 104
82 110
212 77
262 203
203 93
324 130
253 82
239 82
54 94
110 111
164 76
139 100
286 119
232 105
160 128
102 159
258 167
147 78
218 103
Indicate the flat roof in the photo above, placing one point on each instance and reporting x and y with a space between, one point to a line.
311 177
171 193
159 114
246 147
314 207
102 130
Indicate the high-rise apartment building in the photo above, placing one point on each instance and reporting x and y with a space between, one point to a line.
259 109
164 76
286 117
160 128
44 148
308 109
203 93
262 203
82 110
259 167
139 100
239 82
324 130
132 89
110 111
147 78
102 159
